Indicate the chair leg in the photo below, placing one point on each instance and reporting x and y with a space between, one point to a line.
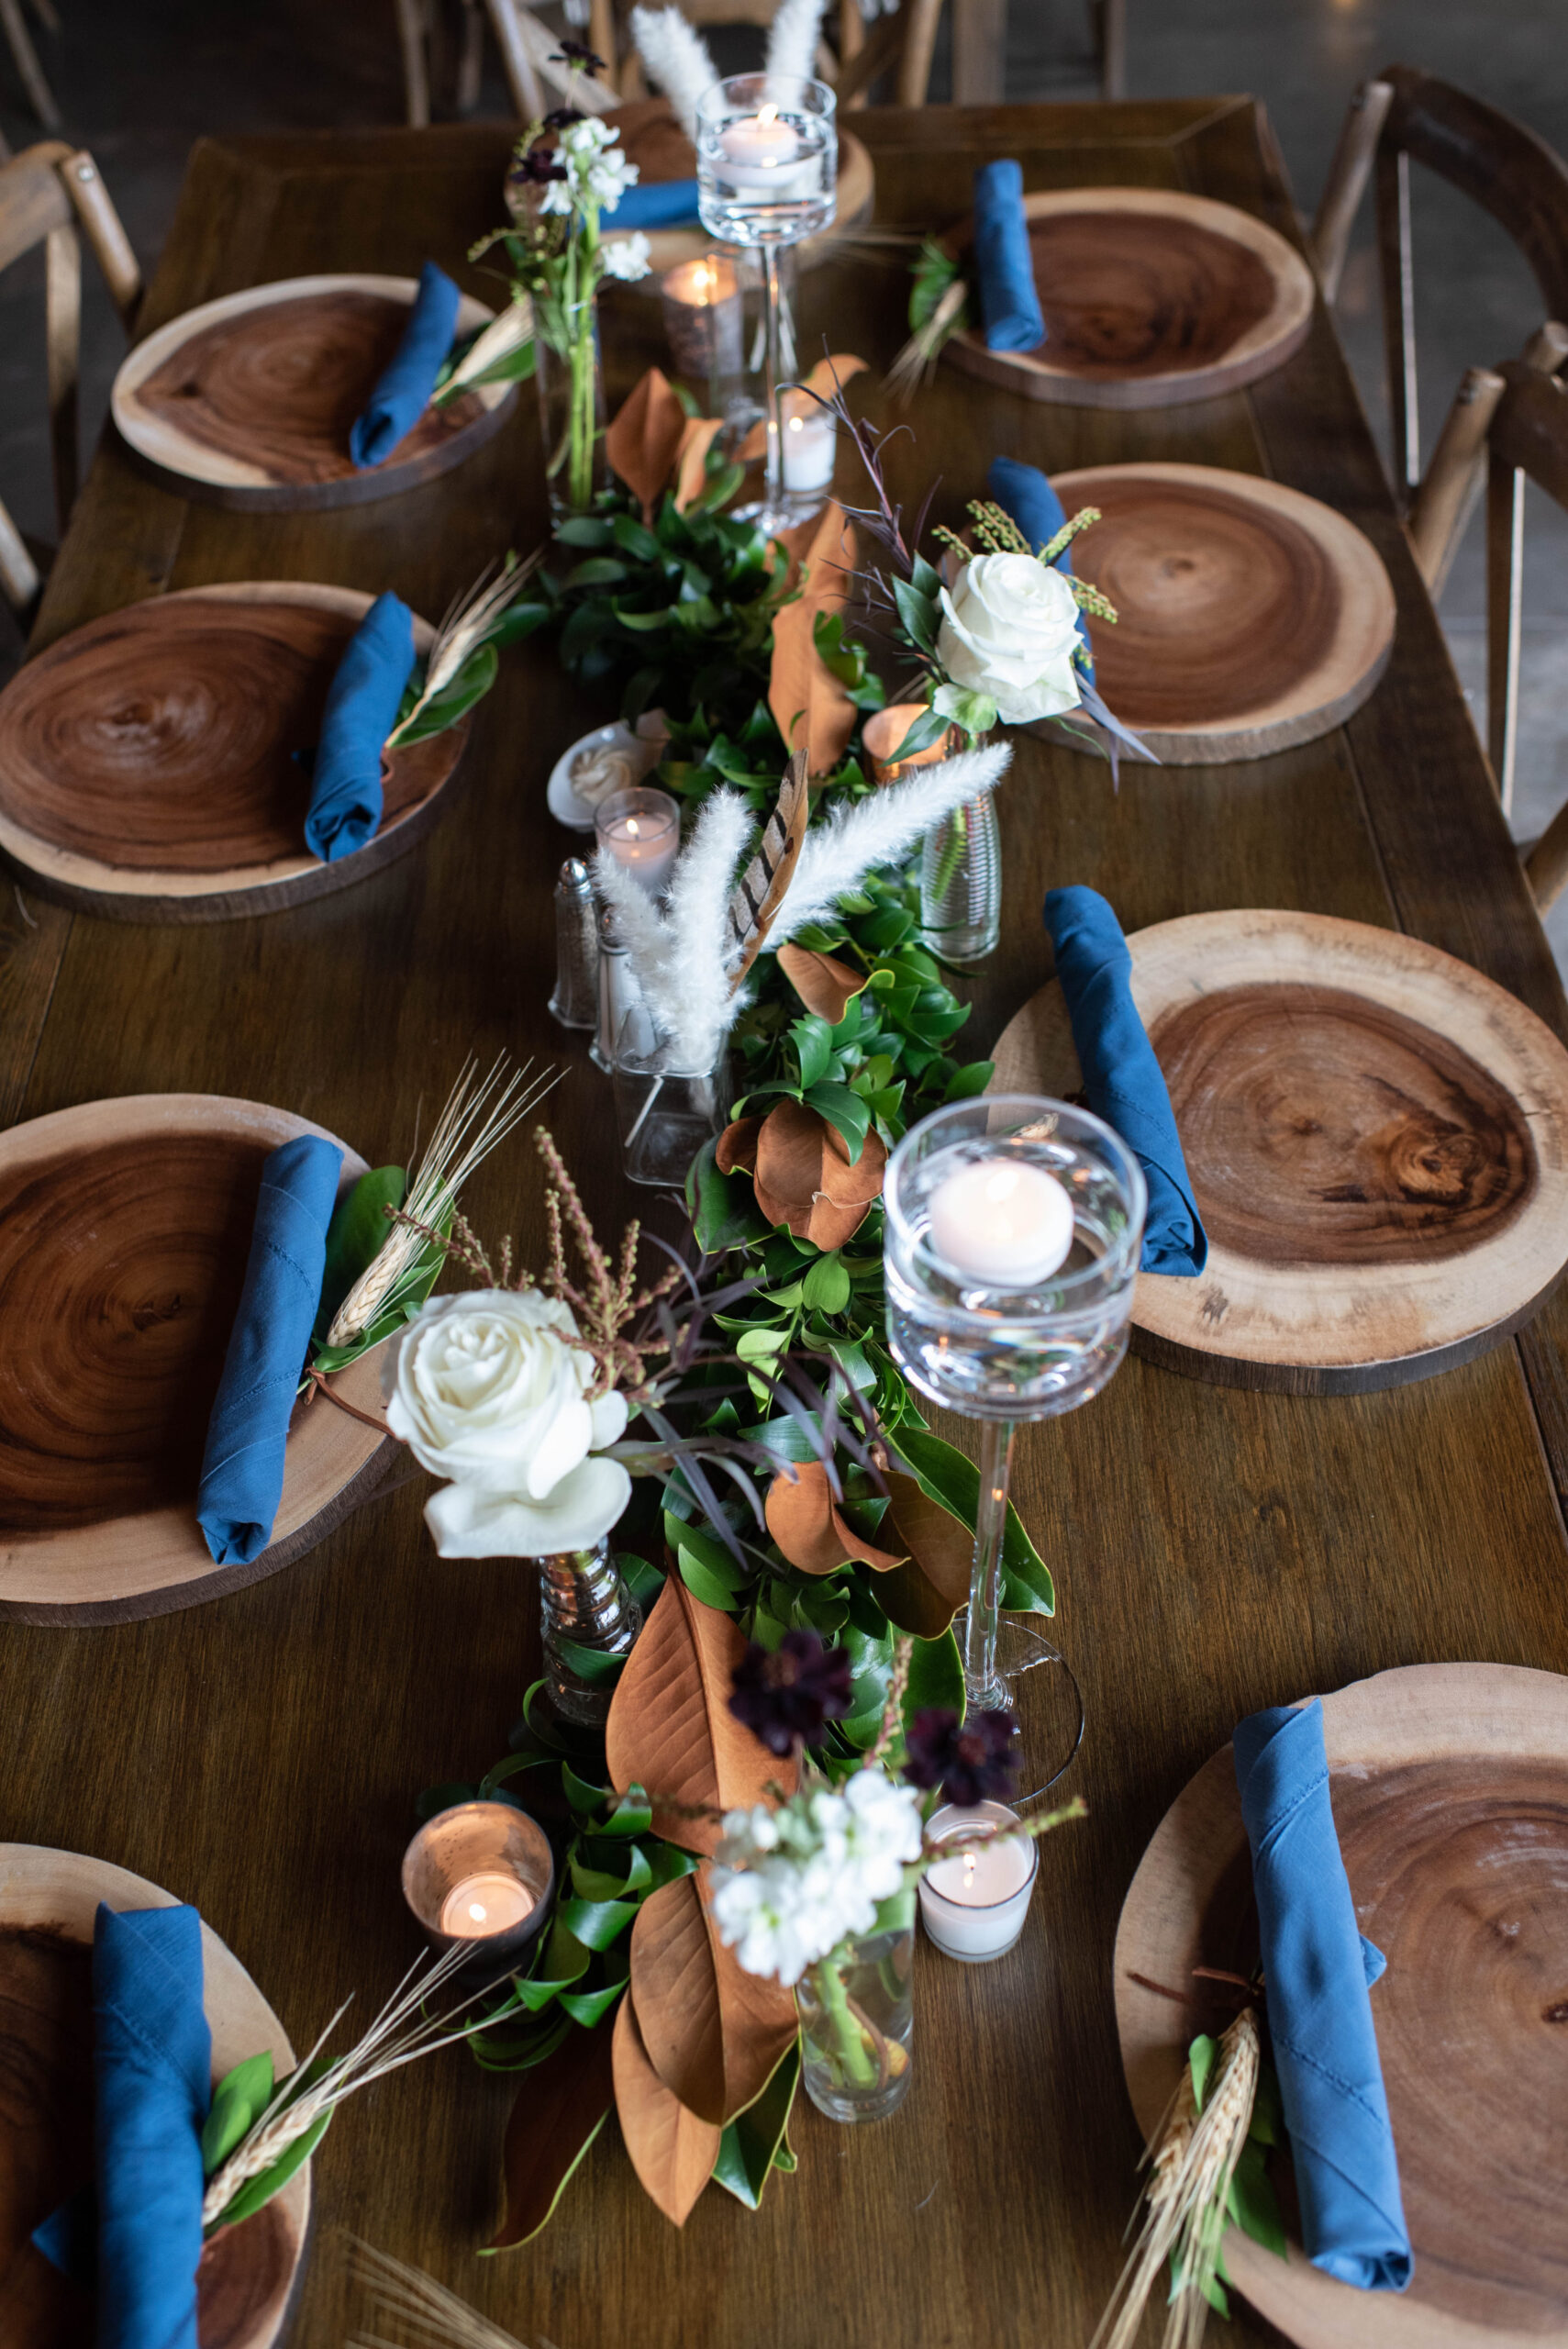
470 58
415 76
601 36
19 581
39 96
1504 565
62 330
1113 49
978 52
1396 262
919 44
1451 483
1346 185
521 76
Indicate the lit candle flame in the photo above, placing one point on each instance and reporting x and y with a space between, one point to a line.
969 1858
631 831
767 114
478 1911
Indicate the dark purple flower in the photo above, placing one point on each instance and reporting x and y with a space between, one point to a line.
971 1761
578 53
537 165
560 117
791 1691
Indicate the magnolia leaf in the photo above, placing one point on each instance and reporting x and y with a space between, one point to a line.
355 1237
712 2032
947 1477
811 707
812 1531
941 1546
671 1728
672 2151
238 2103
691 464
559 2110
824 985
754 2140
643 442
831 374
801 1172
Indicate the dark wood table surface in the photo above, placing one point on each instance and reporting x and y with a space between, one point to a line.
1215 1549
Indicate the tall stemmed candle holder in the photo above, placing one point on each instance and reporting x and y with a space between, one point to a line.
767 177
1014 1229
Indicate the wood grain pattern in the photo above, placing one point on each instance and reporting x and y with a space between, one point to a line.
124 1232
247 402
1248 617
1449 1788
48 1905
652 139
1149 298
1377 1140
147 760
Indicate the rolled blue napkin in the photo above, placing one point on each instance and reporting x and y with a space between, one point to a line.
361 712
1316 1972
1009 300
656 204
242 1469
1121 1076
402 392
1027 494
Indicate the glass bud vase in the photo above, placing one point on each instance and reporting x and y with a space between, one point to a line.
572 412
584 1604
960 884
665 1112
857 2019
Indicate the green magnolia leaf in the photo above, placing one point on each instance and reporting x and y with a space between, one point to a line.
592 1665
926 730
723 1208
705 1586
845 1112
813 1040
751 2143
596 1924
354 1237
965 1082
238 2103
947 1477
826 1288
589 2007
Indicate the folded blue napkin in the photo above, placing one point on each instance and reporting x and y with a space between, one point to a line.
361 712
1121 1076
1009 300
656 204
402 392
242 1469
1315 1975
1025 493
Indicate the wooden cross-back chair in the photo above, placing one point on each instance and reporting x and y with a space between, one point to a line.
1404 117
47 194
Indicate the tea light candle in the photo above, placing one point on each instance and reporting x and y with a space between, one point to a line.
810 442
642 830
702 317
759 150
483 1905
482 1873
1001 1222
974 1905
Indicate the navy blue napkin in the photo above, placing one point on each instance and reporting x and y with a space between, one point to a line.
1121 1076
1316 1974
1009 300
1026 493
242 1469
361 712
402 393
656 204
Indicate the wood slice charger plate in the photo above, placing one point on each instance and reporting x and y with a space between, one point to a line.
49 1903
1449 1788
1249 617
247 402
125 1227
653 139
1149 297
147 766
1377 1138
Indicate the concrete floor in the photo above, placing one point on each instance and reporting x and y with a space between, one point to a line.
138 84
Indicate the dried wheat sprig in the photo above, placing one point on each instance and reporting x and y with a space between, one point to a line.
914 364
414 2302
399 2036
470 620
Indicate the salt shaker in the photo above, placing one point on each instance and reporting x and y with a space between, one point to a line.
576 1002
619 994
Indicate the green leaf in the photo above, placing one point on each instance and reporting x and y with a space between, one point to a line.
596 1924
1252 2202
597 571
589 2007
965 1082
723 1208
813 1040
845 1112
973 714
826 1288
1200 2062
257 2191
238 2103
927 730
1268 2109
360 1224
585 530
947 1477
592 1665
635 539
919 613
705 1587
751 2143
705 1548
470 684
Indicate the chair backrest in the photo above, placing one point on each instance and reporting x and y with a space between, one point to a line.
1528 437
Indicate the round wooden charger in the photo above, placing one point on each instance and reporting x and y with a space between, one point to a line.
49 1903
1248 617
1450 1787
125 1226
1149 297
146 767
1377 1138
652 139
247 402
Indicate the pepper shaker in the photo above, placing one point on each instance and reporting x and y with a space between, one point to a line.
576 1002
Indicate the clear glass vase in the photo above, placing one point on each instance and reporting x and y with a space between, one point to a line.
665 1112
960 884
583 1606
572 411
857 2019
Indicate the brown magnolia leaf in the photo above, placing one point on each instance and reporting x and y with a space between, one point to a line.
924 1591
811 707
691 461
671 1729
756 897
803 1176
843 366
812 1531
824 985
672 2151
737 1146
559 2109
644 441
712 2032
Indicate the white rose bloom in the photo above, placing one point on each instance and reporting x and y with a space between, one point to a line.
1008 629
488 1389
626 257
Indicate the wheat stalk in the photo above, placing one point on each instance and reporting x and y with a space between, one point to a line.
477 1116
469 621
418 2306
915 361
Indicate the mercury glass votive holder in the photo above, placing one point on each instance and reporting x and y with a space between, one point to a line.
481 1875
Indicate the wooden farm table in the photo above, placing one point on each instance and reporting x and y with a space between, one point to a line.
1215 1549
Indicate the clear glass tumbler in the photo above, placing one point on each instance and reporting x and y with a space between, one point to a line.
857 2020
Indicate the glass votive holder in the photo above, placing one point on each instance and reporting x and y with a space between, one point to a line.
809 433
480 1873
665 1112
642 831
974 1905
704 325
767 158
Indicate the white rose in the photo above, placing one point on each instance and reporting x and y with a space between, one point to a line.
1008 629
488 1389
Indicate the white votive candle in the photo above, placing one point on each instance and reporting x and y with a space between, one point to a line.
642 830
1001 1222
974 1905
761 151
810 445
484 1904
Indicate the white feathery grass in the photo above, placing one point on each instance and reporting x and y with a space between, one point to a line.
506 332
423 2312
677 953
470 620
400 2034
479 1113
881 830
675 55
792 38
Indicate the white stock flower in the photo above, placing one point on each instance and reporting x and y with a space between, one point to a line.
557 196
1008 629
788 1885
488 1389
626 257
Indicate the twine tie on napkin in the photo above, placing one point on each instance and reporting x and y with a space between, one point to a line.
1009 299
403 389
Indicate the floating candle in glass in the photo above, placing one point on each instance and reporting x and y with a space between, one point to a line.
482 1874
761 150
974 1905
1002 1221
642 830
